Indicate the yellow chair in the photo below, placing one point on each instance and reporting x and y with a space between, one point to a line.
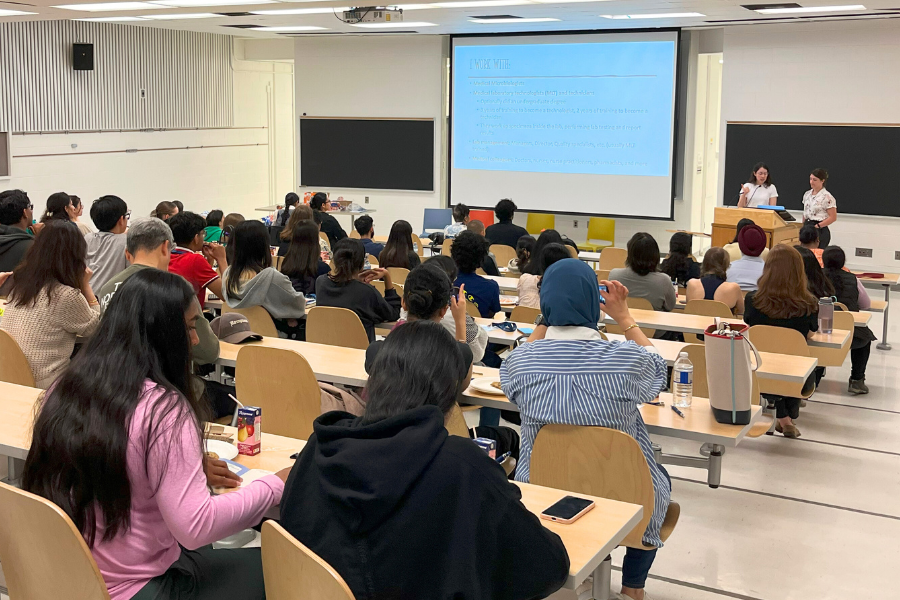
612 258
294 572
336 327
14 366
260 320
538 222
44 557
706 308
601 234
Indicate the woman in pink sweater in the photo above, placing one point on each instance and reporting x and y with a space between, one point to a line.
117 445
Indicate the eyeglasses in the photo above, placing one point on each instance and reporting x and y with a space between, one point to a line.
128 215
31 207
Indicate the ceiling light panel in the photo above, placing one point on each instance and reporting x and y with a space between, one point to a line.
515 20
184 16
395 25
193 3
288 28
14 13
655 16
302 11
111 19
111 6
481 3
809 9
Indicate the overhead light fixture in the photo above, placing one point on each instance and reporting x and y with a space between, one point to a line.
192 3
480 3
515 20
302 11
656 16
565 1
394 24
809 9
111 6
289 28
111 19
185 16
416 6
14 13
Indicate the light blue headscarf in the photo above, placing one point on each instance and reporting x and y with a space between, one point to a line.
569 295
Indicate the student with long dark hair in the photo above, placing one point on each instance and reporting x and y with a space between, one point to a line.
60 208
51 302
399 250
818 284
303 262
551 253
847 291
117 446
420 483
679 265
476 337
291 201
527 285
252 281
330 225
524 252
349 287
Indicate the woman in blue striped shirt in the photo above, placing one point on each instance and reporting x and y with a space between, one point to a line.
570 375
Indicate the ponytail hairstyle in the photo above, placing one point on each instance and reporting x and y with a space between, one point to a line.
349 258
524 251
426 292
164 210
834 258
56 207
677 264
291 199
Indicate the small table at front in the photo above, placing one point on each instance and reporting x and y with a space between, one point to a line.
887 281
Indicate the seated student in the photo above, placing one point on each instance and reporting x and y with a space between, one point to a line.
613 379
489 264
179 205
330 225
747 270
468 252
231 221
366 232
302 213
679 265
713 284
783 300
106 246
504 231
476 337
460 220
397 489
816 282
51 302
303 262
399 250
291 202
349 287
215 221
165 210
524 250
15 219
847 292
809 239
147 514
191 256
252 281
551 254
733 249
641 275
60 208
527 285
84 228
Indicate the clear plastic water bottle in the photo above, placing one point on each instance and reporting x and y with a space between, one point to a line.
826 315
683 381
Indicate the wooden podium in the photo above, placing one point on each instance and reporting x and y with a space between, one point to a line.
778 231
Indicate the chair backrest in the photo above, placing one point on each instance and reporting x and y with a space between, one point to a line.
612 258
844 320
372 260
573 252
283 385
445 247
417 244
707 308
472 310
538 222
524 314
398 274
456 422
697 355
437 218
14 367
379 286
480 271
485 216
780 340
601 231
503 253
354 234
44 557
260 320
294 572
841 306
602 275
598 462
336 327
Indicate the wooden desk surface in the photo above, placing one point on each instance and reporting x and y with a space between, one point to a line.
507 284
878 306
334 364
860 318
18 403
888 279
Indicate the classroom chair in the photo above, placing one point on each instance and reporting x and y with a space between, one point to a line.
456 422
379 286
14 366
639 303
707 308
336 327
835 357
418 246
612 258
43 556
398 274
435 219
503 254
841 306
446 246
524 314
283 385
572 251
485 216
480 271
602 275
538 222
372 260
599 462
260 320
601 234
294 572
472 310
354 234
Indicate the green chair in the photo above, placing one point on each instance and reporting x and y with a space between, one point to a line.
601 234
537 222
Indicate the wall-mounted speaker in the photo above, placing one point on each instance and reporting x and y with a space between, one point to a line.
83 57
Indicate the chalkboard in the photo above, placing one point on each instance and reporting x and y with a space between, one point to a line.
384 154
862 162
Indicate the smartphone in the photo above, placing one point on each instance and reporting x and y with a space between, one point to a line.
454 291
568 510
602 288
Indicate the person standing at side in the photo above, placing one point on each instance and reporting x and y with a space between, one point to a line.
759 189
819 206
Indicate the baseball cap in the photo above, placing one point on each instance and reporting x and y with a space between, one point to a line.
234 329
752 240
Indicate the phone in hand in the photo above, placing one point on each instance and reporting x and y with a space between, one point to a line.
567 510
602 288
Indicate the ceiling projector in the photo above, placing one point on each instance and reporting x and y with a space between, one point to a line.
374 14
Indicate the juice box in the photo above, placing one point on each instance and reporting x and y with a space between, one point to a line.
488 445
249 430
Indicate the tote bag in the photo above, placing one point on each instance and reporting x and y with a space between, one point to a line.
729 372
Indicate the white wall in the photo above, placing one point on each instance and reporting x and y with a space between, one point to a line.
375 76
835 72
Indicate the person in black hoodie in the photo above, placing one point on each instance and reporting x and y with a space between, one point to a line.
15 218
401 509
330 225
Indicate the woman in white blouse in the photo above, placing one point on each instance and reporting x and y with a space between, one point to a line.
819 206
759 189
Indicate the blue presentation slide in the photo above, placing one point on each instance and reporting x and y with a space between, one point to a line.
597 108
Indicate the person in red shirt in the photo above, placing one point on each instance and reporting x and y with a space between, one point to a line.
192 257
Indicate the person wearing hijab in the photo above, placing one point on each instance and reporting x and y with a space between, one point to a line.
568 374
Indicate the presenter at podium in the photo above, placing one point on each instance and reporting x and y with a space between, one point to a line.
819 206
759 189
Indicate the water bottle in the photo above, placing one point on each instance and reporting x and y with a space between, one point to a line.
826 315
683 381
